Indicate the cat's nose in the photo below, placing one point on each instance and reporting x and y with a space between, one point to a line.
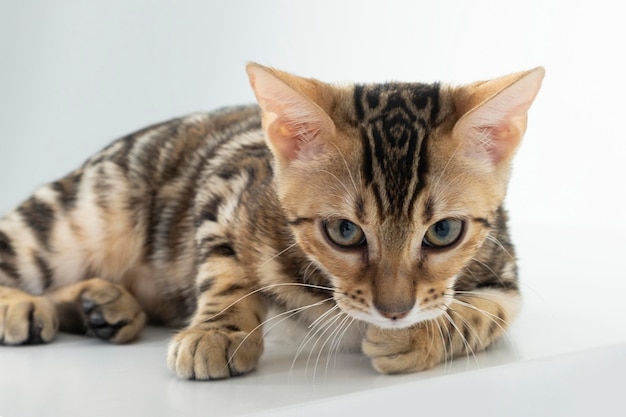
394 315
396 308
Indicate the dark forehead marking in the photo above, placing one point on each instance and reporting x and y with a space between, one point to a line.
395 121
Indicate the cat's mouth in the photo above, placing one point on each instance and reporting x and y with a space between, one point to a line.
361 309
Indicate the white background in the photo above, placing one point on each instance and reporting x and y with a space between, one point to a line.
76 75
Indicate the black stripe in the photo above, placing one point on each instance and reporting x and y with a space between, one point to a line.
230 290
222 249
467 334
494 326
219 315
368 163
5 245
482 221
300 220
39 216
232 328
209 210
206 285
358 104
10 270
212 245
360 209
67 189
422 165
427 215
395 121
497 283
47 275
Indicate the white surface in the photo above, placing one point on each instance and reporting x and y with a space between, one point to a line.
75 75
565 356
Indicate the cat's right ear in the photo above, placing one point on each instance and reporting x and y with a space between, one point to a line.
294 122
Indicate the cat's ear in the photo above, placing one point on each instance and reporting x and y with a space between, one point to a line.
494 114
295 124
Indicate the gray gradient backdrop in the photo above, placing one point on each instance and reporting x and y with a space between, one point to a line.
75 75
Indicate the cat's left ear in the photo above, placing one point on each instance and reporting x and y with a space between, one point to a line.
494 114
294 120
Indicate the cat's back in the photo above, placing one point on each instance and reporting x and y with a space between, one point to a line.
163 151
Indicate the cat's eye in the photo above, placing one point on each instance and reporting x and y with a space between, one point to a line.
444 233
344 233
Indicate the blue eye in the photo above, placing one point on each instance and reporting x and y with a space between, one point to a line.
344 233
443 233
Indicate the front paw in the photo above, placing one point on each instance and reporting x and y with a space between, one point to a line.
110 312
25 318
214 353
401 351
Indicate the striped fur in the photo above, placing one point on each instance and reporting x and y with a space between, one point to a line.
206 221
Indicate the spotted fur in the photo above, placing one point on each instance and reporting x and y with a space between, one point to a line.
204 222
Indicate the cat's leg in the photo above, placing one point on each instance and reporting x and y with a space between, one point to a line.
224 337
67 230
470 325
100 308
25 318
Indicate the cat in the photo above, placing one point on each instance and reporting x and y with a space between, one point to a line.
373 212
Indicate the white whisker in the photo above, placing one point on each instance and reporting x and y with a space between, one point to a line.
352 196
313 330
497 242
279 253
347 167
269 287
288 314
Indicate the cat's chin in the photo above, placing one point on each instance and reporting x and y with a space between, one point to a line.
415 317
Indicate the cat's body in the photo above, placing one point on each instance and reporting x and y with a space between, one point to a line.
383 202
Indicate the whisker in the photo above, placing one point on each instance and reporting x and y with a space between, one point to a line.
293 312
443 171
347 167
328 339
313 330
279 253
338 342
501 323
269 287
341 183
288 314
482 296
326 326
464 340
497 242
443 343
474 334
478 261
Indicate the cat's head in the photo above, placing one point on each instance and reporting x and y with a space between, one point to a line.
392 188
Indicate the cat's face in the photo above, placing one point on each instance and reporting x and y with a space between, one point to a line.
389 189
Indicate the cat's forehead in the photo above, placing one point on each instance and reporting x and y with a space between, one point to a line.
395 122
415 101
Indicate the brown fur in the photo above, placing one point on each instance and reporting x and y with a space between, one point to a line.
206 221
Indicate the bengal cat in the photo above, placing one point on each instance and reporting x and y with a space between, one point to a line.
372 212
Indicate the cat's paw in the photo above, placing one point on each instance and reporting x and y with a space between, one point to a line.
110 312
403 350
214 353
25 318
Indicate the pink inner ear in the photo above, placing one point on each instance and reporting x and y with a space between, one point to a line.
293 123
292 141
494 129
